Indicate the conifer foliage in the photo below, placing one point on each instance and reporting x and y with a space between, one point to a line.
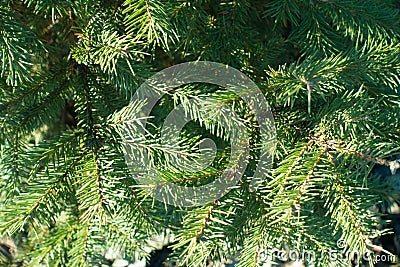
329 70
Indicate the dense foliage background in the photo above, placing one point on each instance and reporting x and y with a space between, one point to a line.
328 68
